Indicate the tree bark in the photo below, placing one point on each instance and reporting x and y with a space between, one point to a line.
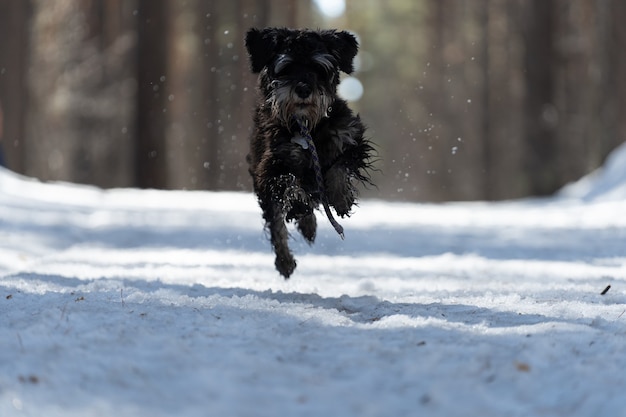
150 147
539 109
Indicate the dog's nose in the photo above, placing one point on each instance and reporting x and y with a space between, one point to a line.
303 90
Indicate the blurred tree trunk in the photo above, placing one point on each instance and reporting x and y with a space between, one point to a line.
104 118
186 131
618 14
210 147
439 110
539 108
150 146
14 58
488 157
611 97
501 91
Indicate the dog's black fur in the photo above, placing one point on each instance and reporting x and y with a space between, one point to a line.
298 77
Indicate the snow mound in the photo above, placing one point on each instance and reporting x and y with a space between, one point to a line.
607 183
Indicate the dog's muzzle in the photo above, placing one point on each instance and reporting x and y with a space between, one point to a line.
297 99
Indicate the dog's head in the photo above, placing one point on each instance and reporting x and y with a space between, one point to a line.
299 69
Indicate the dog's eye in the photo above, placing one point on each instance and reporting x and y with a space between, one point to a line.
284 69
322 71
283 65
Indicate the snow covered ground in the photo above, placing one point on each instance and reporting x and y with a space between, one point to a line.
153 303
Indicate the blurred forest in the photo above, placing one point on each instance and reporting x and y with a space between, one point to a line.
480 99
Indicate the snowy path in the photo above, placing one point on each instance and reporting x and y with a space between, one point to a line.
128 303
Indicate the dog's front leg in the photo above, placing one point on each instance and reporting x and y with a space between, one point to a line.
340 190
284 200
285 262
307 226
351 154
285 170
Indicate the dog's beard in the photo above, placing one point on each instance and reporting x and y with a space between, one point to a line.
285 104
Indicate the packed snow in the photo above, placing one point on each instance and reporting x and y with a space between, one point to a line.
166 303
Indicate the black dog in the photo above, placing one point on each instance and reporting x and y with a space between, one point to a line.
307 148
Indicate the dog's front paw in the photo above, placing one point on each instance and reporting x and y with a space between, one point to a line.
285 264
297 202
307 226
340 191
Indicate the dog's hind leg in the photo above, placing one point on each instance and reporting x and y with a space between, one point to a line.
285 263
307 226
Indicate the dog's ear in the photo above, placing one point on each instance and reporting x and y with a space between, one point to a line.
343 46
261 46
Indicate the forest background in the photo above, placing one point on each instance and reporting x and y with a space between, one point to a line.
466 100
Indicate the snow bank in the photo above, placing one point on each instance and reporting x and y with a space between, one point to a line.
607 183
